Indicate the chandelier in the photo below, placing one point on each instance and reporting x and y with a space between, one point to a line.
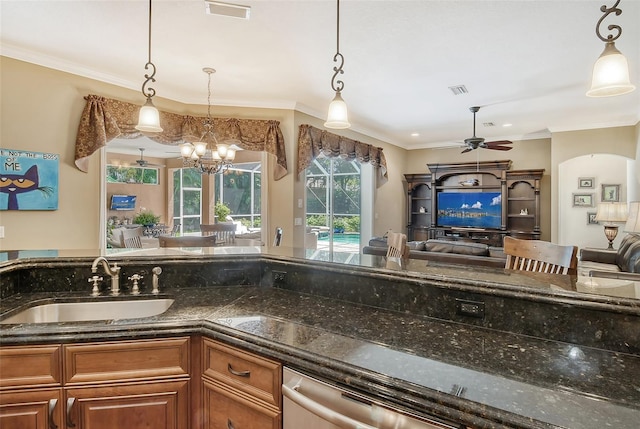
200 155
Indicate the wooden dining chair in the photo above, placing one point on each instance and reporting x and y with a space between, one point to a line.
540 256
132 238
225 232
397 245
187 241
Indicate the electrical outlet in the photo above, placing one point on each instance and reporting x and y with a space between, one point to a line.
470 308
279 276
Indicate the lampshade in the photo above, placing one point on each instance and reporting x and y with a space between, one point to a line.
149 118
338 116
633 221
612 212
610 74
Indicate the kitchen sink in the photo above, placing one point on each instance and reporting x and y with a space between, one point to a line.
90 310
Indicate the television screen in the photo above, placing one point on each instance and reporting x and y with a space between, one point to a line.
470 209
123 202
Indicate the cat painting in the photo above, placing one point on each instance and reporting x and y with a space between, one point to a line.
14 184
28 180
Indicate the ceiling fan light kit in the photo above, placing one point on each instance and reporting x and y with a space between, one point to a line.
338 116
149 117
198 155
611 71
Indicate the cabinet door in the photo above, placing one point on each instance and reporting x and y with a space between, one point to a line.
157 405
225 408
36 409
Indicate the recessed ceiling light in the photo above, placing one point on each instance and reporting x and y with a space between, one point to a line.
415 134
507 125
227 9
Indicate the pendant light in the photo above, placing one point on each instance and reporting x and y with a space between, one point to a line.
338 117
149 117
611 70
199 155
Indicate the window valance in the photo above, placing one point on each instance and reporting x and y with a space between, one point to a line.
104 119
313 141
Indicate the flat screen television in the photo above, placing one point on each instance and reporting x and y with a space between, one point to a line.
469 209
123 202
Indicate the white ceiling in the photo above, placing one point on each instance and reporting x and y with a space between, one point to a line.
527 63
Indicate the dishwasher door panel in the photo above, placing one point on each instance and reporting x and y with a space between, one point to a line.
312 404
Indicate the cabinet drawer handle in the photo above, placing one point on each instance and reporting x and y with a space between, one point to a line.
238 373
52 407
70 403
230 424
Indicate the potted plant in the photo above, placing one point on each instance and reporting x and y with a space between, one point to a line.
146 218
221 211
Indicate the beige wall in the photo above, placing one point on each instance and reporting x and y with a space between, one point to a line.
41 108
40 112
621 141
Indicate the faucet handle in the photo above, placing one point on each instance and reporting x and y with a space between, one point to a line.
136 277
96 290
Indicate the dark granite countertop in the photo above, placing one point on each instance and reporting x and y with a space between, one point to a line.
502 379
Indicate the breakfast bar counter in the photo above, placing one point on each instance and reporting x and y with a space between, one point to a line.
474 375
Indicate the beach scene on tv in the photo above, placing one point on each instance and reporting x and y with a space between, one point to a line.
470 209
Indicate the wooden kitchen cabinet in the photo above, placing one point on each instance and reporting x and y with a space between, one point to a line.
137 384
158 405
32 409
30 392
240 389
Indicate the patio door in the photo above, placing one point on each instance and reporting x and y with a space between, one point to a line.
334 203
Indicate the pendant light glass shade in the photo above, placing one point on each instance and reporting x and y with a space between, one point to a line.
610 74
338 116
149 118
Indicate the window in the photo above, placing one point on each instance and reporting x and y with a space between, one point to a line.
187 200
240 189
333 195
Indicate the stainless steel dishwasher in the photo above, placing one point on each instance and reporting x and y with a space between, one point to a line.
313 404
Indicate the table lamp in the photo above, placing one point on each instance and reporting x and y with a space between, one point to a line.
610 213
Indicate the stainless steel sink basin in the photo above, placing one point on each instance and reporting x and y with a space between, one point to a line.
90 310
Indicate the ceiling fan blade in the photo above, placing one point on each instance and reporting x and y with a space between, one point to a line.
499 147
498 142
467 150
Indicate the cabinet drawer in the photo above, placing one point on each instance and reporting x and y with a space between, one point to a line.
255 375
126 360
30 366
226 409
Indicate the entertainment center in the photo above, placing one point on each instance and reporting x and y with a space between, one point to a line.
473 201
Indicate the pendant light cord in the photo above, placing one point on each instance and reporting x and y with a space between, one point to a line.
336 84
149 92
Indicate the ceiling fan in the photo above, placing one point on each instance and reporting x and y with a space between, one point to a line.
478 142
143 162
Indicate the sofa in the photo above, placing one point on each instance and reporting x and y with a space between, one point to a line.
445 251
612 263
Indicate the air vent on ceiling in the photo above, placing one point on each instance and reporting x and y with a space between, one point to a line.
488 124
459 89
227 9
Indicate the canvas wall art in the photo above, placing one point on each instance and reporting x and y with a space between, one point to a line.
28 180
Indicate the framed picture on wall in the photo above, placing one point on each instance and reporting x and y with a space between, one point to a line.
583 200
585 182
591 218
610 193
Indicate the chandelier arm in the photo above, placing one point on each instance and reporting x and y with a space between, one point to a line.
612 27
150 77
